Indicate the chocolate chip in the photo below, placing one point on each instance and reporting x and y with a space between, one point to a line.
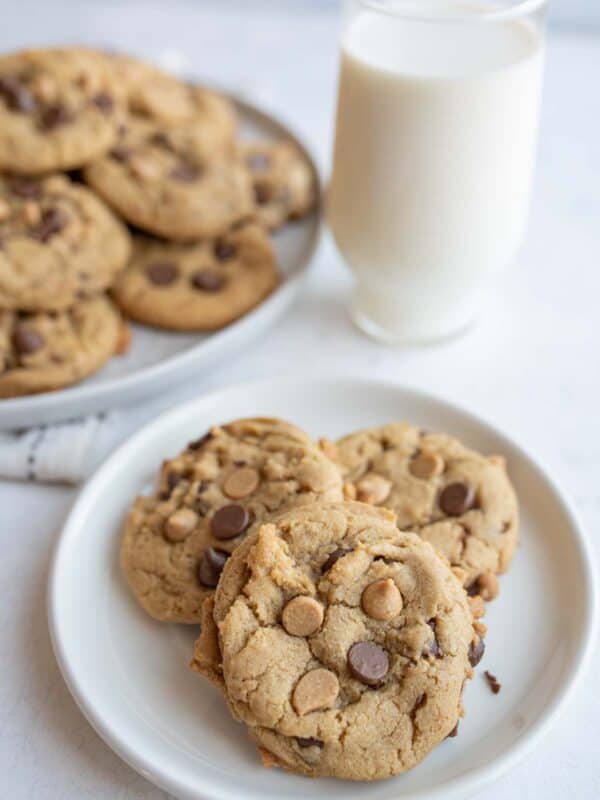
54 116
457 498
262 193
53 221
26 188
202 487
207 281
211 565
15 95
435 649
104 102
453 732
26 341
368 662
492 682
162 273
121 153
309 741
224 250
335 556
258 162
473 588
161 139
476 651
230 521
198 443
186 173
419 703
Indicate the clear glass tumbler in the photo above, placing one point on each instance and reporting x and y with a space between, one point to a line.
436 129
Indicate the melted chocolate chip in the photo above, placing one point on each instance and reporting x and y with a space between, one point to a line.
186 173
207 281
492 682
211 565
453 732
435 649
54 116
162 273
26 341
457 498
309 741
15 95
198 443
230 521
53 221
121 153
27 188
104 102
368 663
476 651
224 250
258 162
335 556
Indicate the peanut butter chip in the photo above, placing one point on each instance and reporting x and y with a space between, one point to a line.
373 489
302 616
426 466
382 599
180 524
317 689
241 483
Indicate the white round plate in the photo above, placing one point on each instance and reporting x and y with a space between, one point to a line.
129 673
157 359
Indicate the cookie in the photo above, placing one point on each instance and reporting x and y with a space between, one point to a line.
458 500
342 643
162 179
198 286
46 351
58 243
59 110
176 540
284 183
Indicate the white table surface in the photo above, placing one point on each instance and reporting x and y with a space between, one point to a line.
531 365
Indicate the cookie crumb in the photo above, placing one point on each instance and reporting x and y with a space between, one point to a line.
492 682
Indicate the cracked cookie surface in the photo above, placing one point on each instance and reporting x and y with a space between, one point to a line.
342 643
199 286
176 541
458 500
59 109
58 243
43 351
283 182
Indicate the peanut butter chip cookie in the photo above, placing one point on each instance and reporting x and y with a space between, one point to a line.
177 540
456 499
199 286
162 179
45 351
350 666
59 109
283 181
58 243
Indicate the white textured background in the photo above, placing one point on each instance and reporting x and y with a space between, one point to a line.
532 366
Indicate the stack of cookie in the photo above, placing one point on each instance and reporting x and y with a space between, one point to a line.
92 145
339 586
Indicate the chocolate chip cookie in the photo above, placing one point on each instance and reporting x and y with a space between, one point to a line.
198 286
58 243
176 540
342 643
162 179
458 500
48 350
59 109
283 181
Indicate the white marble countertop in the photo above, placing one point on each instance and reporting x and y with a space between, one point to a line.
532 364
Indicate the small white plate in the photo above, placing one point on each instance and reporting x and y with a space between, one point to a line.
129 674
157 359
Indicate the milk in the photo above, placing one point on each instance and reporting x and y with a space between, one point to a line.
433 160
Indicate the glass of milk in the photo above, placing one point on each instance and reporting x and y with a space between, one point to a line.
436 129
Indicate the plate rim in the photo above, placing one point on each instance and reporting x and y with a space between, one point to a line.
458 787
154 376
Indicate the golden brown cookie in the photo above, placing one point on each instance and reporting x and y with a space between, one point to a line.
342 643
198 286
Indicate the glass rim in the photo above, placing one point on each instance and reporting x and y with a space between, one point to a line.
522 8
